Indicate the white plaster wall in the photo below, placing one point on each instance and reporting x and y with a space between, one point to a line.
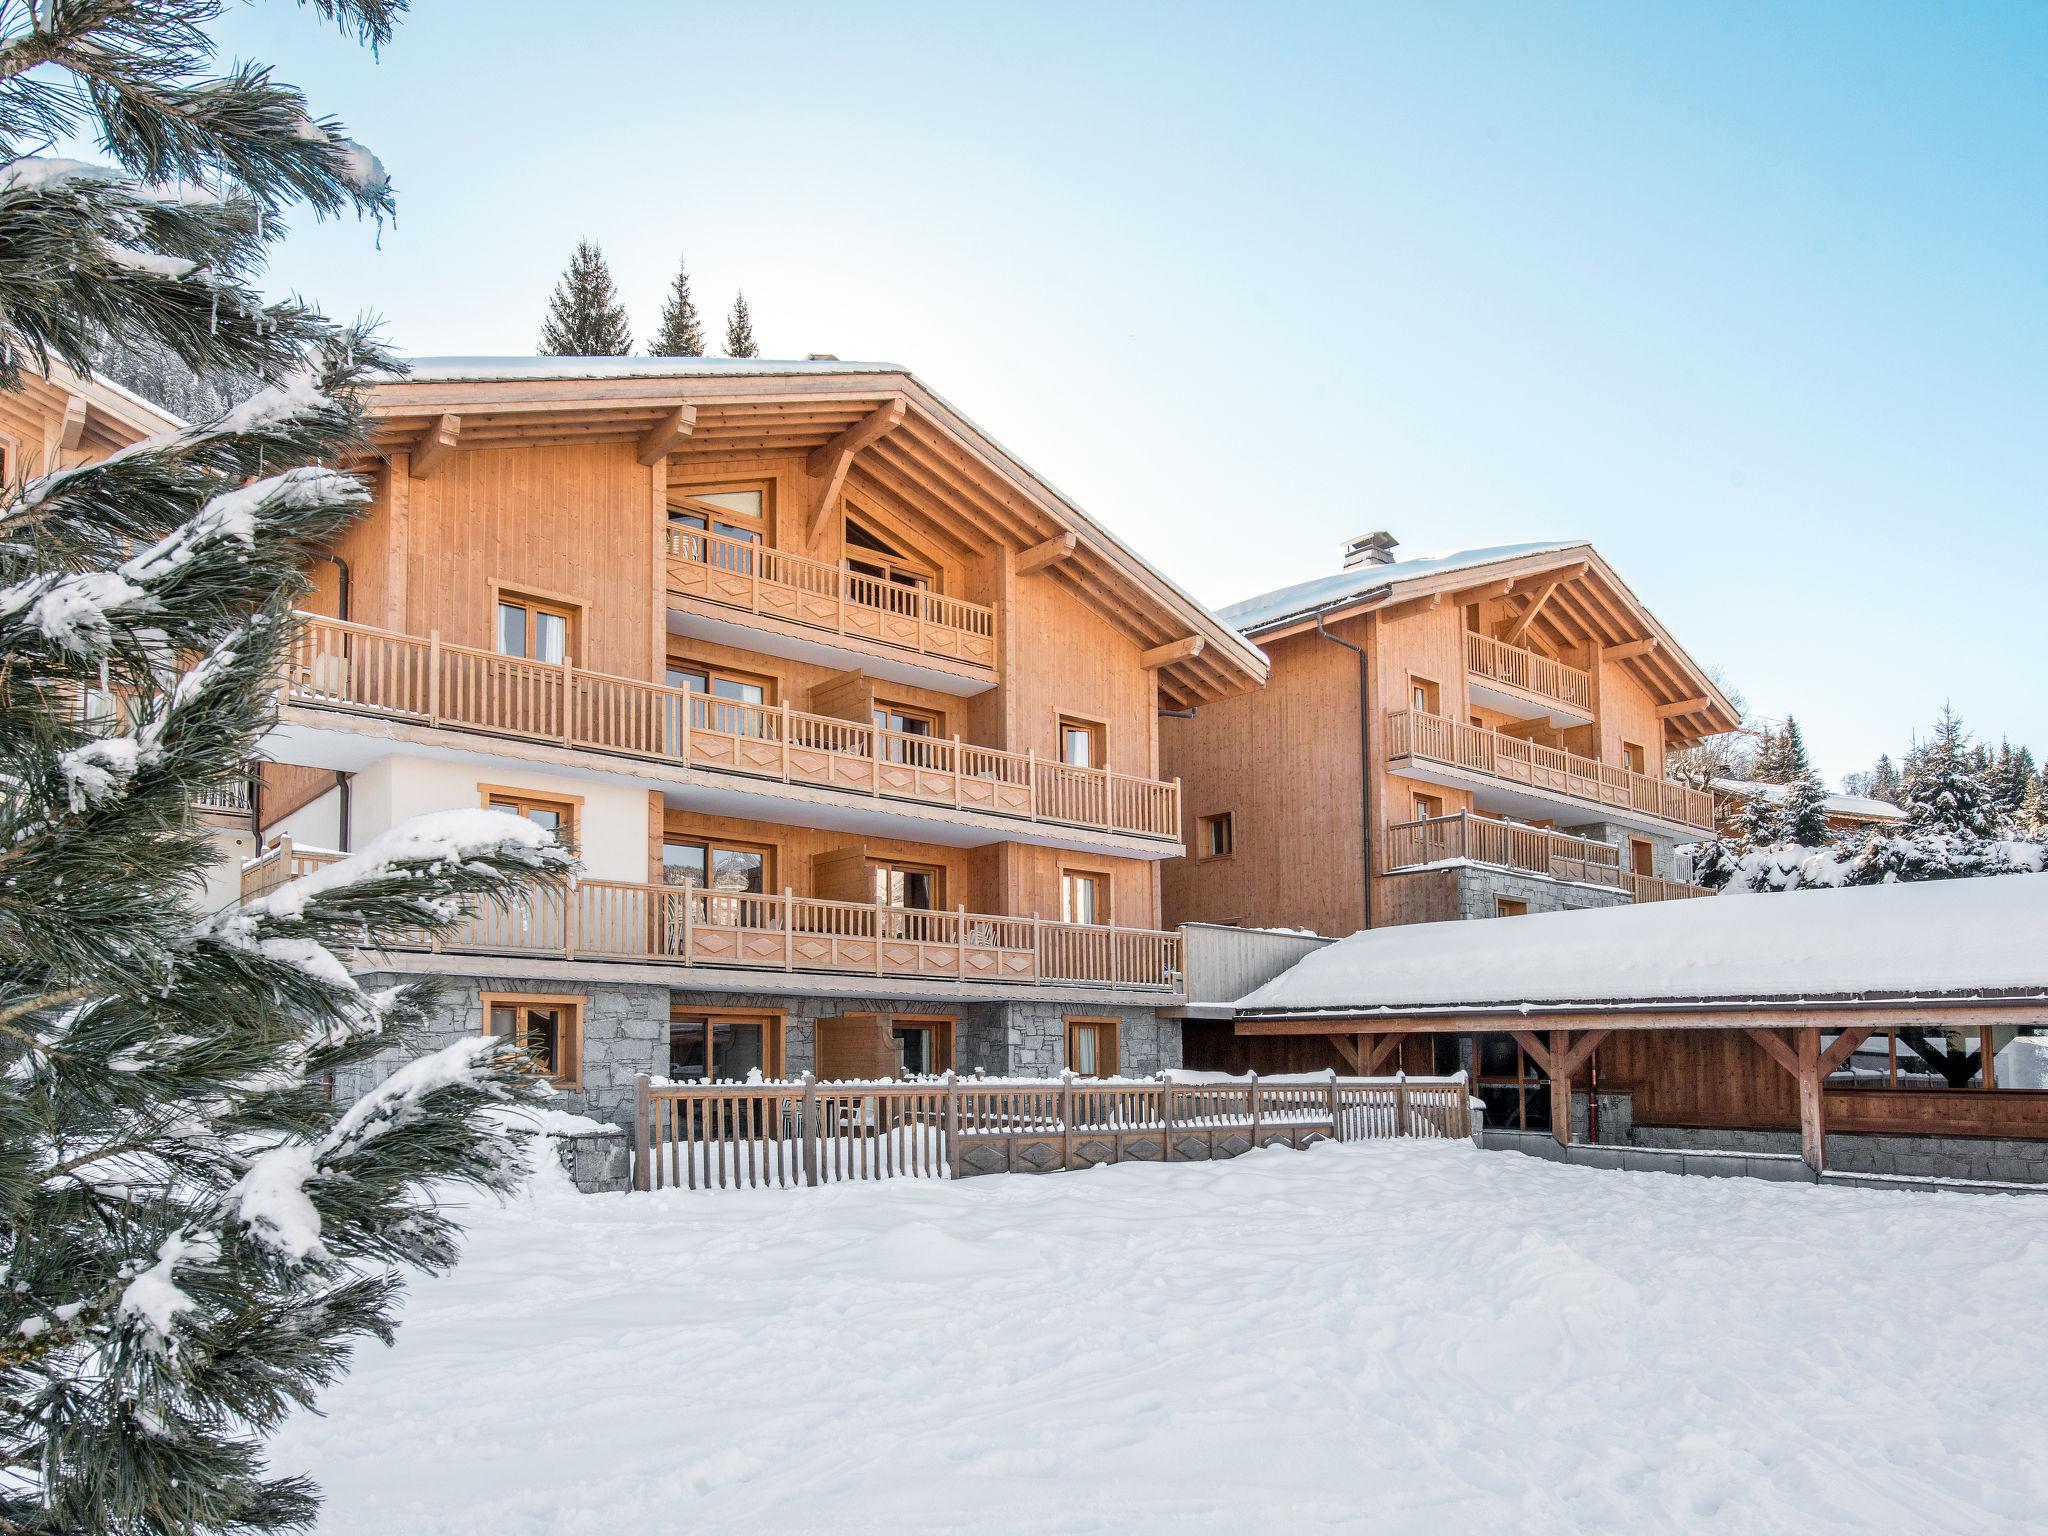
224 873
316 824
612 832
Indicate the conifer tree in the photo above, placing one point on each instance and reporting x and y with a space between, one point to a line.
192 1235
1884 780
1783 757
1942 791
585 317
1803 816
2006 780
739 330
680 333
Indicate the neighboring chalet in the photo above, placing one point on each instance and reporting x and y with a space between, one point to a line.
853 720
1845 813
1470 735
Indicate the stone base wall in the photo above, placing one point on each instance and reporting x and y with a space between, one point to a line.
1478 888
2007 1160
1617 1119
1667 862
597 1162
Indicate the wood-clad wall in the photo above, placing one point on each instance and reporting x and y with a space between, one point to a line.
1070 660
1210 1045
1715 1077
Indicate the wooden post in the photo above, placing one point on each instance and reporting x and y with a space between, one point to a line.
952 1126
789 927
1812 1133
1560 1088
433 677
1166 1120
1067 1117
1336 1118
785 740
1031 763
1252 1093
641 1149
568 700
1401 1101
807 1128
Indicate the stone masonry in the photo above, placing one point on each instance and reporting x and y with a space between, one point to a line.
1479 887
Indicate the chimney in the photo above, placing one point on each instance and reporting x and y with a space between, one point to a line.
1369 549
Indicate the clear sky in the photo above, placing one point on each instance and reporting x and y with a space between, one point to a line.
1754 297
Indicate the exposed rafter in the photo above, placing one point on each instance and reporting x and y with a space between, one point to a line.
1413 607
666 433
1166 655
75 411
1527 616
1060 546
1632 649
1682 707
435 444
832 460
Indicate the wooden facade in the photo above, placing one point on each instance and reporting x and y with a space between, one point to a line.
807 614
1530 686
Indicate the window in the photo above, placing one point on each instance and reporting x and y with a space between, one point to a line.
1215 836
707 1048
897 725
1508 906
883 567
549 1029
1511 1085
923 1046
1428 807
1080 743
725 701
1424 696
918 887
556 813
537 630
1084 898
1633 758
731 524
1642 856
739 868
1091 1047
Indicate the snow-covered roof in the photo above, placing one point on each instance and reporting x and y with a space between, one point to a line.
449 369
1863 806
1256 613
1925 938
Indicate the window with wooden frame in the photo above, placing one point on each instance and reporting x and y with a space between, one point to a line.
739 512
1642 856
1424 696
718 864
924 1046
535 628
560 814
1084 896
904 732
1509 906
724 1047
1428 807
1216 836
1514 1089
1634 758
548 1028
1081 742
914 887
887 569
1091 1047
723 699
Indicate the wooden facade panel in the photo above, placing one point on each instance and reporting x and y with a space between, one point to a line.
1073 661
1699 1077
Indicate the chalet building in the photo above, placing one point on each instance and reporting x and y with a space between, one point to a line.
853 721
64 419
1471 735
1844 813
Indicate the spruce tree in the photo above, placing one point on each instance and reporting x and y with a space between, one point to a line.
2006 781
1803 815
585 317
192 1235
1942 791
680 333
739 330
1884 780
1783 758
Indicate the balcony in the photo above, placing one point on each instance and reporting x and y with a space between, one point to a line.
355 668
745 594
683 925
1523 684
1525 779
1436 840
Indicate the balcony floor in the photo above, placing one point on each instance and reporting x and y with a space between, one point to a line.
701 620
335 739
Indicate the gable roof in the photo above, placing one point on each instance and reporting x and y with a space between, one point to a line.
1598 602
1936 937
1862 807
938 471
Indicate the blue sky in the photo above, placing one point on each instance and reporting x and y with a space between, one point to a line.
1753 297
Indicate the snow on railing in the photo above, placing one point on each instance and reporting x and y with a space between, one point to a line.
767 1133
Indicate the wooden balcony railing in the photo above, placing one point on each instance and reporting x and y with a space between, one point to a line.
1534 850
358 668
688 925
230 799
772 583
1510 665
1440 739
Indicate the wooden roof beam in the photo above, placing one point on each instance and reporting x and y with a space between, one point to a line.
1527 616
1632 649
1413 607
1173 651
76 410
1484 592
1682 707
435 444
662 437
832 460
1060 546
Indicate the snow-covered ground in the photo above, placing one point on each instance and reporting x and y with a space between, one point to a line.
1386 1336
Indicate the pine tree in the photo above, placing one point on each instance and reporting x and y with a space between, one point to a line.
1803 812
739 330
2031 819
1943 793
585 317
680 333
192 1235
1783 757
1884 780
2006 779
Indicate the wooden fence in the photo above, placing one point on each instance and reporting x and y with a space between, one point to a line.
1498 662
360 669
781 1134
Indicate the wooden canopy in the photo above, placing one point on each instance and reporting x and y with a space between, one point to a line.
917 458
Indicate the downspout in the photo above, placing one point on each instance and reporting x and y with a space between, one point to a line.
1364 768
341 588
344 810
